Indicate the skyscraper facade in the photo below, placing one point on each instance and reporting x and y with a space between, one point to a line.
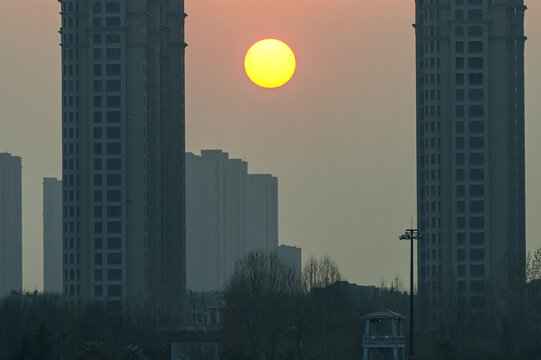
470 145
11 270
228 213
262 216
123 153
52 235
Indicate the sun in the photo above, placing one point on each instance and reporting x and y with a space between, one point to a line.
270 63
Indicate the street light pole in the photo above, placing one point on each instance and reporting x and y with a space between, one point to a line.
411 234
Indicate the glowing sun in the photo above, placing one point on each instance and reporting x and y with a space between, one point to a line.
270 63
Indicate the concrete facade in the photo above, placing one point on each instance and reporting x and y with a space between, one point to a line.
123 153
11 271
470 145
52 235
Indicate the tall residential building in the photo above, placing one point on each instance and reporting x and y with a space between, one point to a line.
123 153
11 252
470 145
52 235
262 217
291 256
228 213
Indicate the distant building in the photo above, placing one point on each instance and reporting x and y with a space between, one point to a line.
470 146
291 256
228 213
204 309
52 235
262 215
123 112
11 272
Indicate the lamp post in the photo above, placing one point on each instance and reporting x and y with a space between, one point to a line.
411 235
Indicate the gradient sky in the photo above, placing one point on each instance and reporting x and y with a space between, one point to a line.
339 136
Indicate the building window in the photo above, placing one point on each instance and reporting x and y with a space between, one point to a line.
98 274
459 78
98 243
98 196
475 14
460 175
476 79
476 126
112 7
113 180
114 290
460 142
97 149
113 243
97 164
96 7
98 259
477 190
477 174
114 259
97 69
113 69
477 254
460 238
97 38
477 206
477 159
113 148
112 54
460 159
114 227
460 222
477 238
459 47
477 222
98 290
459 95
461 270
477 286
476 95
113 85
459 61
461 254
113 116
113 132
477 270
460 207
461 286
96 21
460 190
112 38
114 274
98 212
476 142
113 101
474 31
114 211
113 195
476 110
97 54
475 63
459 32
112 21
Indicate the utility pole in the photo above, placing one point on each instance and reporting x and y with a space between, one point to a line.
411 234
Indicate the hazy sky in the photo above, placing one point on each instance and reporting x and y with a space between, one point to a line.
339 136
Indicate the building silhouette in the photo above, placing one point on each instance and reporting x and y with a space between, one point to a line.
11 271
52 235
470 146
228 213
123 153
291 256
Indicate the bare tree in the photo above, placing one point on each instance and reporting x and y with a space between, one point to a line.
258 307
320 274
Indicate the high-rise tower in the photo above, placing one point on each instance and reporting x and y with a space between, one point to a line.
11 271
123 153
470 145
52 235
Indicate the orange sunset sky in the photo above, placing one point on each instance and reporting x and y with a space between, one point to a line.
339 136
